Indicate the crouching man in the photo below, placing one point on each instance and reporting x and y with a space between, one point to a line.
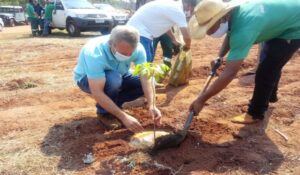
103 71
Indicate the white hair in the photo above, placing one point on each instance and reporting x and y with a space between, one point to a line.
125 33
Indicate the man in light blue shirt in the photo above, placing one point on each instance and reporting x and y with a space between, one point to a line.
103 71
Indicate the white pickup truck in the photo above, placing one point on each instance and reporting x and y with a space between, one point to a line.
80 15
13 15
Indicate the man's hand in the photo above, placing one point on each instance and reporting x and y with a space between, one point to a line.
156 115
175 42
218 61
176 49
186 47
186 37
197 106
132 123
215 61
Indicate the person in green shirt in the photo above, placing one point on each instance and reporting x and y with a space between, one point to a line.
274 22
32 17
48 16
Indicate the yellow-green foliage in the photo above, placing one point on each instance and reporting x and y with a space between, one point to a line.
151 70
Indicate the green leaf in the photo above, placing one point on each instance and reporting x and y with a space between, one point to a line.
164 67
151 70
137 70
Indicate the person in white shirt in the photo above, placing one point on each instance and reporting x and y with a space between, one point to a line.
156 18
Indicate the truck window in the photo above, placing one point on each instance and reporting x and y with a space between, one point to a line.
59 5
17 10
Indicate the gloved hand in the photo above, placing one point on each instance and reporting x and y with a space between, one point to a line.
186 48
215 64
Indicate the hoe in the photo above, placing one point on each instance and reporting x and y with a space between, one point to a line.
175 139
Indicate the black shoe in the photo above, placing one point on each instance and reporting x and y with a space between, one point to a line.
273 99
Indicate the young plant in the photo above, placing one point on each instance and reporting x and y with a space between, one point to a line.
153 72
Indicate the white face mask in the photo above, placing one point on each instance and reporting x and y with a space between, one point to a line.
121 57
223 29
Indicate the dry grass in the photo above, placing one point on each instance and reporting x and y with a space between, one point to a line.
20 152
29 115
19 156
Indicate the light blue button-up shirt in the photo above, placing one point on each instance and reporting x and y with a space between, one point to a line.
96 57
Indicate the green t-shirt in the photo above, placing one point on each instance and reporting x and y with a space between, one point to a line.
30 10
48 11
262 20
40 2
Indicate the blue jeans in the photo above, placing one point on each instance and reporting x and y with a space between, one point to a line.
148 45
46 27
118 88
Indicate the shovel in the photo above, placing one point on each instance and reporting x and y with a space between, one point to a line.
173 140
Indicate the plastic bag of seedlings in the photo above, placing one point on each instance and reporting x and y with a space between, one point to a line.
182 69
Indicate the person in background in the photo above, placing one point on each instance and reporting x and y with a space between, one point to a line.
156 18
168 47
48 16
140 3
39 10
32 17
165 41
188 7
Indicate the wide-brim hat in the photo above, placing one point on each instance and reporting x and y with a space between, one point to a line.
207 13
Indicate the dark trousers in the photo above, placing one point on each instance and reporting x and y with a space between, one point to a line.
34 25
118 88
166 45
40 26
277 53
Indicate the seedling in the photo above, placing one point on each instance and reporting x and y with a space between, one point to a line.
153 72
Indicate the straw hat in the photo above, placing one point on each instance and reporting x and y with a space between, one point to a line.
207 13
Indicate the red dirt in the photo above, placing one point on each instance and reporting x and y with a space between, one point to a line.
62 120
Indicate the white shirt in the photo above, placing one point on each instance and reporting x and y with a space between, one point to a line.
157 17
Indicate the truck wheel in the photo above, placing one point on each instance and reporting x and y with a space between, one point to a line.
72 29
1 27
109 29
12 22
106 31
